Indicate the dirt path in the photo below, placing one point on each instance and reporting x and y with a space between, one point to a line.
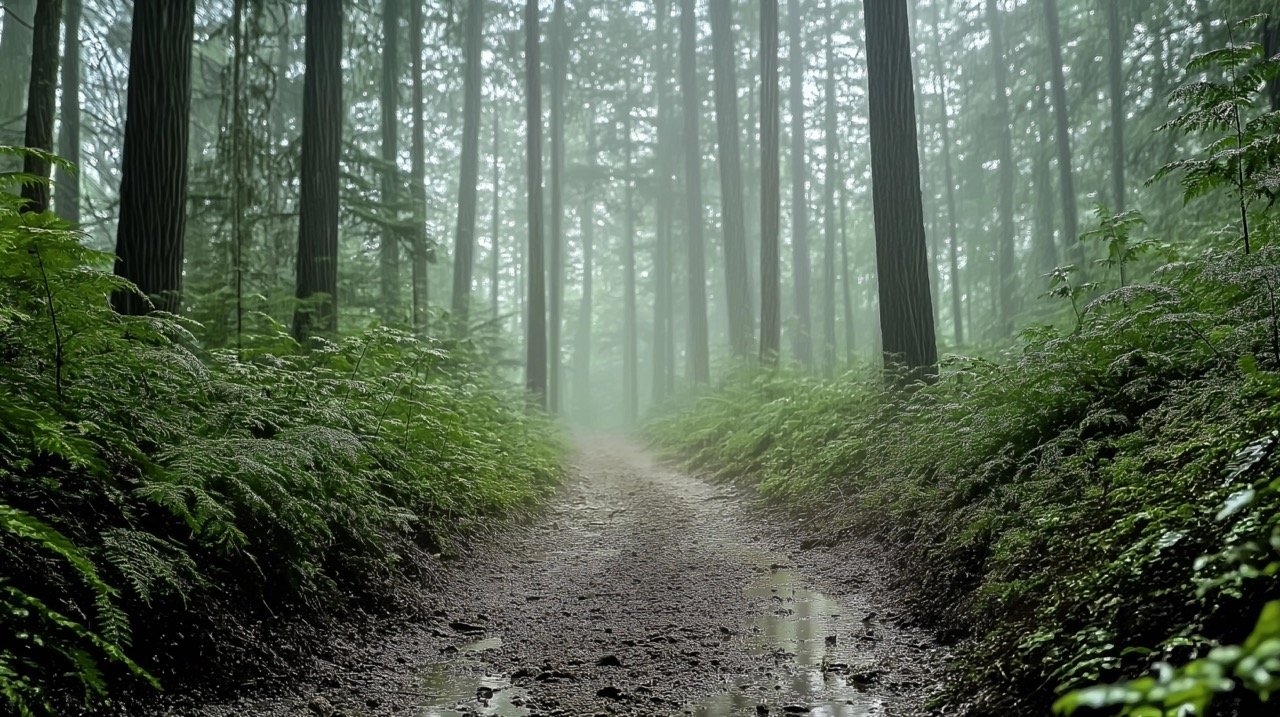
641 591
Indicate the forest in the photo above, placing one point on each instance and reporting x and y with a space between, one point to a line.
662 357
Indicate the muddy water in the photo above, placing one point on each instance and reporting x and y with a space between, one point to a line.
806 643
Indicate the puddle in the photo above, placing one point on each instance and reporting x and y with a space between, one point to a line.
812 646
462 687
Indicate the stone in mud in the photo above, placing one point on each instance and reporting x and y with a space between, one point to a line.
609 661
466 628
320 706
795 709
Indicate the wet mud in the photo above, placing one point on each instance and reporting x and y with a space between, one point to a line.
641 591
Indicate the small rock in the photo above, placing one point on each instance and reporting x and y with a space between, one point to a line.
609 661
795 709
762 710
320 706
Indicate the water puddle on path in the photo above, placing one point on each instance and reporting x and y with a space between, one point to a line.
462 687
812 646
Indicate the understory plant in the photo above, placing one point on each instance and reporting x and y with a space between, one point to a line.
145 476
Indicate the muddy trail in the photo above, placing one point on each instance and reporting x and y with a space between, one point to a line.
640 591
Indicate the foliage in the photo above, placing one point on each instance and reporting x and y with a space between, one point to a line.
206 489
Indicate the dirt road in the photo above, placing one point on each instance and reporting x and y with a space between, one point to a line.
641 591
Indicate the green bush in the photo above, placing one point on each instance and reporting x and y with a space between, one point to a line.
144 476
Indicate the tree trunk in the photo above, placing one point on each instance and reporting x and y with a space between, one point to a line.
630 353
663 350
15 57
1271 48
1046 250
42 93
555 253
67 186
1115 75
801 267
1062 125
465 230
418 162
902 264
153 176
495 248
699 352
318 183
829 199
536 304
1004 242
770 197
738 297
587 223
953 233
389 102
846 286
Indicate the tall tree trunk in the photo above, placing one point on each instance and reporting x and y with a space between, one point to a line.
555 253
630 357
738 297
239 137
699 352
153 176
67 186
770 196
318 182
1004 242
801 267
389 102
902 263
418 162
1046 250
829 129
1062 125
846 286
1115 75
42 90
536 304
953 233
465 232
663 351
15 57
495 248
587 224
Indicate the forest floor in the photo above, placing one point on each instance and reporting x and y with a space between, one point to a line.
640 590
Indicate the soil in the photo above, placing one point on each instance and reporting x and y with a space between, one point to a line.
640 591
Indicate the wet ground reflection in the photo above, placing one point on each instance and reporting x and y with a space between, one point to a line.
461 687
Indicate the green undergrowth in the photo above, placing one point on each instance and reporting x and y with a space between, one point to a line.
159 501
1050 510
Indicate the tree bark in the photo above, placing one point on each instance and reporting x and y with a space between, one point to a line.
846 285
738 297
42 90
699 352
1062 125
770 196
829 198
15 57
801 266
587 224
555 253
67 185
418 167
902 264
630 357
389 104
663 172
321 148
953 233
465 232
1004 242
153 177
1115 76
536 304
495 249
